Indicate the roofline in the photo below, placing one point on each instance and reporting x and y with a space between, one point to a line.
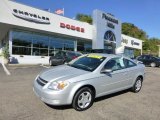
46 11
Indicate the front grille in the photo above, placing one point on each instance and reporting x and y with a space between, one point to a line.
41 81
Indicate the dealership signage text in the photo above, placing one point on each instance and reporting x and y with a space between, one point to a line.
106 17
31 16
134 43
72 27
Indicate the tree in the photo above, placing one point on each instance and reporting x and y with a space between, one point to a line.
133 31
84 18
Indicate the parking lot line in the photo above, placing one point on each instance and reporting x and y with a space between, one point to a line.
5 69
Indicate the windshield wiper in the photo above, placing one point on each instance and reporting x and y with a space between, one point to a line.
84 66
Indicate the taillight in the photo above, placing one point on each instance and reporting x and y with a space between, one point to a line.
74 57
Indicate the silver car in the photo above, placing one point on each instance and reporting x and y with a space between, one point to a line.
86 78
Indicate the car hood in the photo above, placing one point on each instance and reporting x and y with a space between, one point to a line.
61 73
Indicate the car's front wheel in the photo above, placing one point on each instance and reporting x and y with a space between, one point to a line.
137 85
83 99
153 64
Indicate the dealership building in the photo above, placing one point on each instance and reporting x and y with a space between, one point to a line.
34 34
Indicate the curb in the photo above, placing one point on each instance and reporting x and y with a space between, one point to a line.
25 65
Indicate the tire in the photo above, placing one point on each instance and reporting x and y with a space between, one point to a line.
50 62
153 64
137 85
83 99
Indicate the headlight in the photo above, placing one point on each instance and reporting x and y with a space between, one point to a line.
60 85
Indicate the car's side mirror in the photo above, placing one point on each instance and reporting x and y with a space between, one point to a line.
106 70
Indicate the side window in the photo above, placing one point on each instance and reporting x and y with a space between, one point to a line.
153 58
140 58
146 57
115 64
129 63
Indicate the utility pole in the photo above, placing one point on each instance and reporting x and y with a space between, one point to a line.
158 50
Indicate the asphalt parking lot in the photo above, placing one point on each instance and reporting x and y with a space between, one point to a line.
18 102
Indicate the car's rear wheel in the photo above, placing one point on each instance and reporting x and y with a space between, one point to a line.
50 62
153 64
138 85
83 99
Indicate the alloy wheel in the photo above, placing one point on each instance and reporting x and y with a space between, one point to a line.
84 100
138 85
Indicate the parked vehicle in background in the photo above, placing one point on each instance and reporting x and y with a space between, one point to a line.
107 51
63 56
149 60
90 76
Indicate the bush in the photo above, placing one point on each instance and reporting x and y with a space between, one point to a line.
5 51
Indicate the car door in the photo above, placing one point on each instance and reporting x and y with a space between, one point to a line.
116 80
131 68
140 58
146 60
59 58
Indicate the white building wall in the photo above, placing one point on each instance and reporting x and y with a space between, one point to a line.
6 12
24 59
130 42
100 24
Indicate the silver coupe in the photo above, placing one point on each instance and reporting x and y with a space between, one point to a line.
86 78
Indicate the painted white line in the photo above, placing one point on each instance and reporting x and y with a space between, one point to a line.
6 70
4 67
44 66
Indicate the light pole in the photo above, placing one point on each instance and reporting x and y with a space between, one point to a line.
158 50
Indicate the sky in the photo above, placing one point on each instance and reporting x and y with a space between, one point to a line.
145 14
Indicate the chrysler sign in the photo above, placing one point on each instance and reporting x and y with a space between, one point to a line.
31 16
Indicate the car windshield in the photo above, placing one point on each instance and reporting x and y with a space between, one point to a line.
88 62
59 54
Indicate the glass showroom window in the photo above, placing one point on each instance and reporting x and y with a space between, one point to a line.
21 43
57 44
84 46
88 47
40 45
68 45
129 52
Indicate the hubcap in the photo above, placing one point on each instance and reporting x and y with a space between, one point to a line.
84 99
153 65
138 85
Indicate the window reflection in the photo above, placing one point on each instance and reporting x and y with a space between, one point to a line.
40 41
129 52
84 46
21 50
27 43
22 39
40 52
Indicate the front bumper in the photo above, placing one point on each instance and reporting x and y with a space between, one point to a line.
50 96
